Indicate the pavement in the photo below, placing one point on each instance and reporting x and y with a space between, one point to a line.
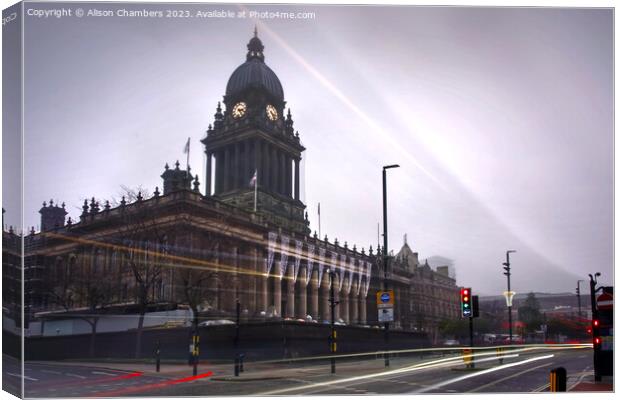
590 385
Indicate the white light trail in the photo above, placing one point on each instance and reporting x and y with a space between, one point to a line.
473 375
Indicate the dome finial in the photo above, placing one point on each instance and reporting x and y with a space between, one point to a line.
255 48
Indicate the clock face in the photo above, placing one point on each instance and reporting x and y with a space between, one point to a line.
239 109
272 113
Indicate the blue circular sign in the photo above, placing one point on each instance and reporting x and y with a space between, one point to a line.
385 297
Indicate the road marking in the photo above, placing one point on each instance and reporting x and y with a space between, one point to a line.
25 377
508 377
47 371
75 375
102 373
541 388
462 378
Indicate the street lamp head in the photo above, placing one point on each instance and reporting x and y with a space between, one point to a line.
511 251
597 274
391 166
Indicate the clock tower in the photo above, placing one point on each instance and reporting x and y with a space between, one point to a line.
252 136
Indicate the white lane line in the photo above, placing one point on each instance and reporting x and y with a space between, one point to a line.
25 377
541 388
509 377
75 375
47 371
102 373
472 375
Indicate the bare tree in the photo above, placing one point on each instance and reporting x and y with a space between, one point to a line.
74 288
142 242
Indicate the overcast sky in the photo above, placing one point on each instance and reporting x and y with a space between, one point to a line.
501 120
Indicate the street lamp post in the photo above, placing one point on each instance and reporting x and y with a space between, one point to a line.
385 254
593 291
509 293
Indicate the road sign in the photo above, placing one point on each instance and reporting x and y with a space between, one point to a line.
386 315
605 301
385 299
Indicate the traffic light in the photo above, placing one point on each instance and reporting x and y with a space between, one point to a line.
596 338
466 302
506 268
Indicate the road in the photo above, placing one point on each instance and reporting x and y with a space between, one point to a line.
522 370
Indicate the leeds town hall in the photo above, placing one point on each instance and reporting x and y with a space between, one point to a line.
244 241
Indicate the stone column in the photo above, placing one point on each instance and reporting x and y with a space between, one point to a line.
218 172
362 305
275 184
272 168
325 310
345 300
296 194
337 298
314 295
208 183
277 295
227 169
244 179
354 303
288 176
282 175
264 165
236 166
302 309
290 285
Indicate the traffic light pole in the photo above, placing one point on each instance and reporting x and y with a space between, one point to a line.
471 339
507 273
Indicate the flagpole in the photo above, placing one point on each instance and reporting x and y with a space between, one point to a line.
255 189
187 161
320 220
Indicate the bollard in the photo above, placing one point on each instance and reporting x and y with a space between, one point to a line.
557 380
241 356
157 358
236 366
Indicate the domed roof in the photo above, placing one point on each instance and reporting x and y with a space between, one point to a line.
254 73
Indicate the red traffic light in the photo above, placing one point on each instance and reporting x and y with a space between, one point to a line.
595 322
465 291
597 340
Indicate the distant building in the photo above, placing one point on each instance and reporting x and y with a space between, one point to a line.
431 295
559 305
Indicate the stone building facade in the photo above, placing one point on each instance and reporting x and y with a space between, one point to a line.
245 239
432 294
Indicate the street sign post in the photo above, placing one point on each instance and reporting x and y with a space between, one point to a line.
385 305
